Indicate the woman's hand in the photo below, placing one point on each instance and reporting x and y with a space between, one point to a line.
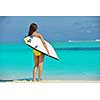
48 53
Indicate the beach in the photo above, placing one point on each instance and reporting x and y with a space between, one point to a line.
50 89
53 81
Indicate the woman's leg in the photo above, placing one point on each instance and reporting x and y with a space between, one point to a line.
41 59
36 64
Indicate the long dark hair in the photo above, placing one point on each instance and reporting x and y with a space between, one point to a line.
33 28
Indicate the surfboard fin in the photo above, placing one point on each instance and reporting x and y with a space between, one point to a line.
29 40
36 46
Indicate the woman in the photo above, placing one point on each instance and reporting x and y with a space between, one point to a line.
38 56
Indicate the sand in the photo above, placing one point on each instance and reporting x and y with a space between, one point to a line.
54 81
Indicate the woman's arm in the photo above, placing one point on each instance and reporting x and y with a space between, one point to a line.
43 41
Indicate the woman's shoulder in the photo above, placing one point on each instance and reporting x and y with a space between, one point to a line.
37 35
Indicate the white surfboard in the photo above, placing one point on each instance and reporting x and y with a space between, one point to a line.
36 43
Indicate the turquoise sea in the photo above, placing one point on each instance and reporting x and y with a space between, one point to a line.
78 61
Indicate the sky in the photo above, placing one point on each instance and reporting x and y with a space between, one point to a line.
53 28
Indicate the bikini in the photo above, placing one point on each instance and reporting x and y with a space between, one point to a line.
37 53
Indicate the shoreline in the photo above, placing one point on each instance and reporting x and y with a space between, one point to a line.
52 81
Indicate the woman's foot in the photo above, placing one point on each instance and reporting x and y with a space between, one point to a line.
40 79
34 80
